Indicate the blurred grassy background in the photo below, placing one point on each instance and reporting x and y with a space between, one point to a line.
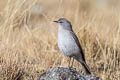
28 37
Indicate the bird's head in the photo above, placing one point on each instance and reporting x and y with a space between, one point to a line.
64 23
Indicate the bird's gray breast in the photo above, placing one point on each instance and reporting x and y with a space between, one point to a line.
67 43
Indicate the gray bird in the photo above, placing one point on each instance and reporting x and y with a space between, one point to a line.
68 43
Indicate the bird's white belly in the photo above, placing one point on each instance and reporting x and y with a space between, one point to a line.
67 45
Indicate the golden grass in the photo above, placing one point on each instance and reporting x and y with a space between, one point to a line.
28 37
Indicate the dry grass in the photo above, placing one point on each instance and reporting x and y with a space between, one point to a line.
28 38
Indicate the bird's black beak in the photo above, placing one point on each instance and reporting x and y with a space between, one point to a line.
55 21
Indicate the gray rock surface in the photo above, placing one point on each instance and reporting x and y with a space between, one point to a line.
62 73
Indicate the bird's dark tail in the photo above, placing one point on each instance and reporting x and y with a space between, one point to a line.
86 67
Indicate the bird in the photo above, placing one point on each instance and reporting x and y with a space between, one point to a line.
69 44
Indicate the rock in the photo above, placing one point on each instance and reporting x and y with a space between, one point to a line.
61 73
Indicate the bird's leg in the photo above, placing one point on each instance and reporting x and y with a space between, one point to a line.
69 62
72 62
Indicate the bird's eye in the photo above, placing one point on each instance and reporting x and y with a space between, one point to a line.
61 22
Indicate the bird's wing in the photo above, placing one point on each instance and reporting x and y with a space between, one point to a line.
78 44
